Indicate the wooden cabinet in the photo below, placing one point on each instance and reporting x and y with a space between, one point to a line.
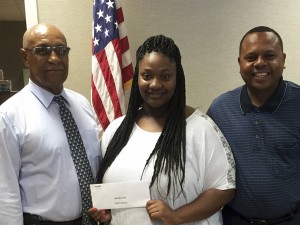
6 95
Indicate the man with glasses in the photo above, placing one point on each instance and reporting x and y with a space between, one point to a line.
40 180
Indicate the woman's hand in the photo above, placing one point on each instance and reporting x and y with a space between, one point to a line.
158 209
102 216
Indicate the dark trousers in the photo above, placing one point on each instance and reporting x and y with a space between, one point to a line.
231 217
30 219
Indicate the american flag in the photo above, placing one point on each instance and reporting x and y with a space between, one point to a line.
112 68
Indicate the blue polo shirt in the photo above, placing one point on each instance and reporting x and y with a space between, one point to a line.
265 142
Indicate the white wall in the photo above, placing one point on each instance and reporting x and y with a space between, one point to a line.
208 33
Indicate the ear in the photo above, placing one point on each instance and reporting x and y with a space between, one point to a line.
283 59
239 61
24 56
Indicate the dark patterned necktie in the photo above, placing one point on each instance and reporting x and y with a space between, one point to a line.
83 168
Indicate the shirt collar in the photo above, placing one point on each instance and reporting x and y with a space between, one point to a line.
271 105
44 96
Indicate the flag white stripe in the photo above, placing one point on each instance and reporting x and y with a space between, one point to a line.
122 30
101 88
118 4
126 59
115 69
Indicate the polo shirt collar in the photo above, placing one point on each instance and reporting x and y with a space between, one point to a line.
271 105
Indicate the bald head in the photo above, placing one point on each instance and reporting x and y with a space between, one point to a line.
40 31
48 69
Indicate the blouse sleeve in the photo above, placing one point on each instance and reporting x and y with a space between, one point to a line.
216 161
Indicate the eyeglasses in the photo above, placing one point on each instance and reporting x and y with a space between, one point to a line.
47 50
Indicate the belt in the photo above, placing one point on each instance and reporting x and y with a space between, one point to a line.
30 219
257 221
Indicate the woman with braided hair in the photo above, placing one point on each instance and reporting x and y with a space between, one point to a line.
177 148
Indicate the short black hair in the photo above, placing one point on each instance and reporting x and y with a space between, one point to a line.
262 29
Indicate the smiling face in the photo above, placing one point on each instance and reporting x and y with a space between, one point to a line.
47 71
156 80
261 62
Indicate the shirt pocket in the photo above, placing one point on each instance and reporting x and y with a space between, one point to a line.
286 161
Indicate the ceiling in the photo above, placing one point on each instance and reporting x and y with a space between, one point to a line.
12 10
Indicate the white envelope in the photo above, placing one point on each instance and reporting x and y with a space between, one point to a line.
120 195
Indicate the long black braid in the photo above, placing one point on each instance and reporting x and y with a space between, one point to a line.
170 149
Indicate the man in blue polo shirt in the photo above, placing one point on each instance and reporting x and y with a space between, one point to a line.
261 121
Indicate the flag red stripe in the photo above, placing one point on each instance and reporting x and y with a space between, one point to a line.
99 108
110 83
120 17
127 73
124 44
